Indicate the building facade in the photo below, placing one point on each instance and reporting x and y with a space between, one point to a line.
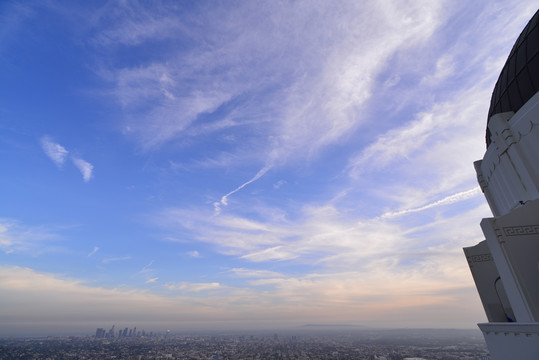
505 266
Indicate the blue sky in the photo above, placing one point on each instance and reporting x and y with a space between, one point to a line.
244 164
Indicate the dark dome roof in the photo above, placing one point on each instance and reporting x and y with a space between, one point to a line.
519 79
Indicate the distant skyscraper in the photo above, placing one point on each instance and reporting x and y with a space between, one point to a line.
100 333
505 266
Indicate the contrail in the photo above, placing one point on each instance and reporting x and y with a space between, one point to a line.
96 249
451 199
224 199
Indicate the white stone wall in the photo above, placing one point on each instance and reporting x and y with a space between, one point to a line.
509 171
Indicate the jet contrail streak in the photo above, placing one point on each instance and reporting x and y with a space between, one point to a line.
445 201
224 199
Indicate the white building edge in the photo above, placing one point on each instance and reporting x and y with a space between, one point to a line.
505 266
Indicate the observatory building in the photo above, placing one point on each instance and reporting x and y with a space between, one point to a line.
505 266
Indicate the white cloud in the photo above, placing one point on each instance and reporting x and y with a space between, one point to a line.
397 144
252 273
84 167
271 253
224 200
442 138
33 302
451 199
56 152
147 268
138 27
194 287
426 159
96 249
148 273
326 235
279 183
194 254
16 237
326 69
319 56
115 259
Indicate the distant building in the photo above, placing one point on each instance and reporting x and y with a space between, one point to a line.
505 266
100 333
111 332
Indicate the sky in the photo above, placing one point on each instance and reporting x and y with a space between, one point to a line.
241 164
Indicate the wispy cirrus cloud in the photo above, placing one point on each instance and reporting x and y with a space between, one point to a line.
419 265
194 254
194 287
300 77
452 125
16 237
147 268
367 266
96 249
427 159
85 168
451 199
56 152
148 273
115 259
253 273
439 140
326 235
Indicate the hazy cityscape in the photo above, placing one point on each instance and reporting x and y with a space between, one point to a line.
310 342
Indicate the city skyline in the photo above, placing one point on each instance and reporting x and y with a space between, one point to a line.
244 165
